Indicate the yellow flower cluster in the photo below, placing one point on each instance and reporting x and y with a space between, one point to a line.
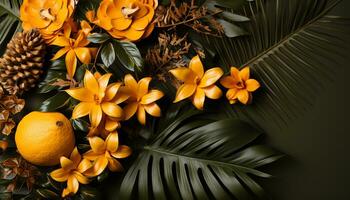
198 84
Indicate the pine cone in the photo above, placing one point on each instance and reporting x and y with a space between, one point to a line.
22 63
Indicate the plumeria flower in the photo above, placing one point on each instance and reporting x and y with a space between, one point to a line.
105 154
197 84
240 85
141 99
97 98
72 171
74 49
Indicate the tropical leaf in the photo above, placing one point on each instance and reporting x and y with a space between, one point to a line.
291 48
199 158
9 21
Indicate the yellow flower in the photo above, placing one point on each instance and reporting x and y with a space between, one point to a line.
140 100
105 154
197 83
46 15
125 19
72 171
97 98
74 48
107 125
240 85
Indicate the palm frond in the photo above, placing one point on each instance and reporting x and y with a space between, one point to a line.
292 48
199 158
9 21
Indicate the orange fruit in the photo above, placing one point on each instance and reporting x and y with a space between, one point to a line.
42 138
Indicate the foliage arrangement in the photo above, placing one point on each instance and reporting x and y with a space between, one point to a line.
154 97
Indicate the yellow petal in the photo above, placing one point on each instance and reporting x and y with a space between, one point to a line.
153 109
90 82
62 42
112 110
232 94
141 115
130 110
103 82
91 155
66 192
211 76
143 87
81 110
60 53
243 96
84 165
184 74
71 63
97 145
96 115
185 91
120 97
114 165
235 74
213 92
75 157
73 184
111 125
199 98
66 164
151 97
81 178
196 66
81 94
228 82
122 152
83 54
244 73
130 82
59 175
111 91
252 85
112 142
98 167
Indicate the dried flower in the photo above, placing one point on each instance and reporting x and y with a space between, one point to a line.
9 106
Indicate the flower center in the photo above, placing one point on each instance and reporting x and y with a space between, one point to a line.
45 13
197 80
97 99
129 11
240 85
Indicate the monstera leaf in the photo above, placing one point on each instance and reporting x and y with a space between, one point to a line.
291 48
9 21
199 158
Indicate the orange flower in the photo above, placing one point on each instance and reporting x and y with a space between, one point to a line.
74 48
72 171
105 154
97 98
240 85
125 19
140 100
197 83
46 15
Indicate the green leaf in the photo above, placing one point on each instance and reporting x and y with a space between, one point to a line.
80 125
9 23
231 30
129 55
83 6
47 194
234 4
234 17
60 100
199 158
108 54
290 52
98 38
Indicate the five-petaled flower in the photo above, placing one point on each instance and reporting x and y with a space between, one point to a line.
125 19
197 84
72 171
140 100
105 154
74 48
240 85
97 99
47 16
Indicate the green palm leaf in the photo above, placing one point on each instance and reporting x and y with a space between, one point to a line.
291 50
198 158
9 21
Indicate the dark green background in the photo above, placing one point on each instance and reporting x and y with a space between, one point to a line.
317 144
